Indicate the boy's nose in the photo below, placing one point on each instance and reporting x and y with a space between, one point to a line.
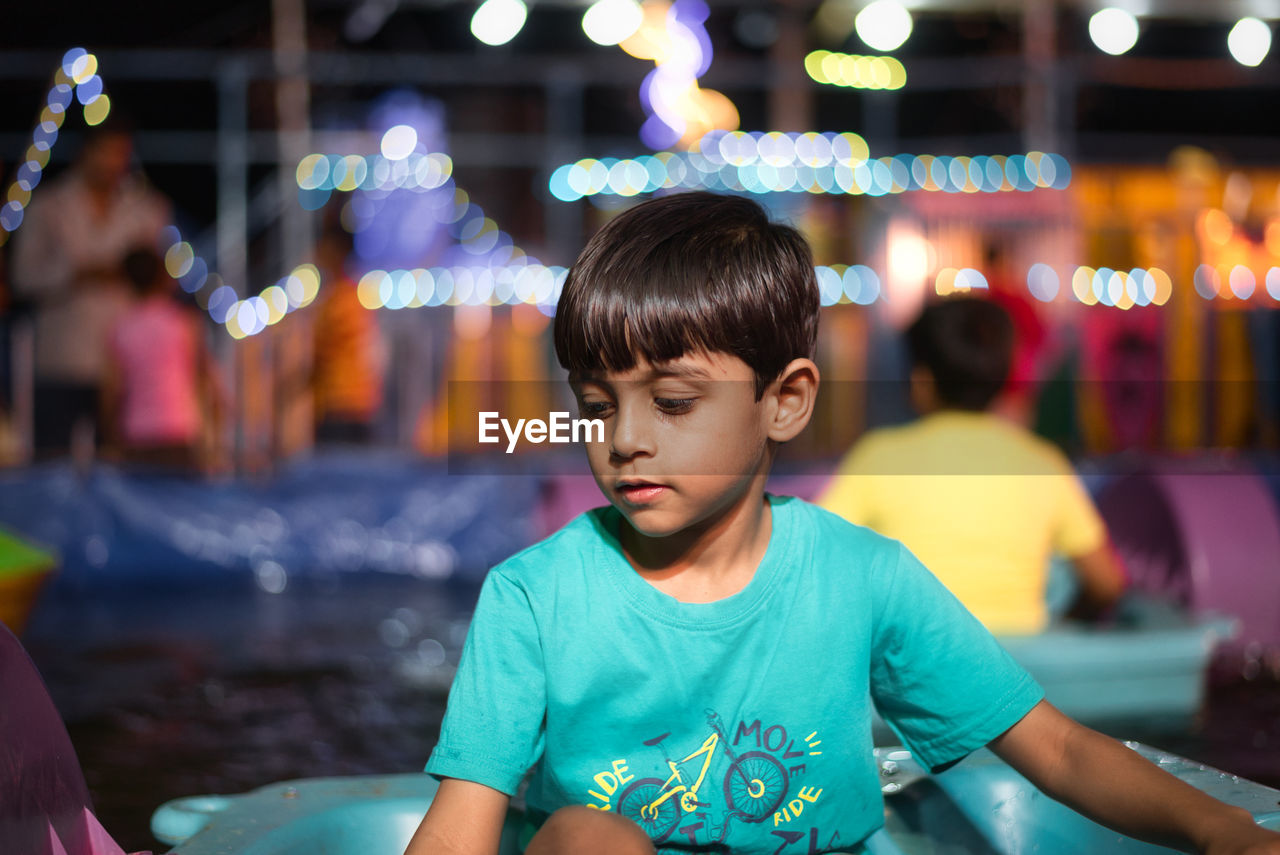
631 434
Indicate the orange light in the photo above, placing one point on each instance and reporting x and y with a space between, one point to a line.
946 281
1271 238
651 40
1216 226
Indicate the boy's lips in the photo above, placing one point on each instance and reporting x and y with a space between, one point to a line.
639 492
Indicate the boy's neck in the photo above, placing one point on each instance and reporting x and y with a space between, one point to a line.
711 560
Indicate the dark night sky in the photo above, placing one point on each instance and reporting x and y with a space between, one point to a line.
1235 118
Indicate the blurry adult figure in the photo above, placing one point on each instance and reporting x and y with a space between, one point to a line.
1017 400
67 261
160 377
347 375
980 500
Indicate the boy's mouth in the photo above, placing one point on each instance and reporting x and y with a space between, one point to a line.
639 492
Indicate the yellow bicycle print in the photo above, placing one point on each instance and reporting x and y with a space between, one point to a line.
754 786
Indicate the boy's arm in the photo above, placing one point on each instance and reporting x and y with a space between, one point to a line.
1118 788
1102 581
465 818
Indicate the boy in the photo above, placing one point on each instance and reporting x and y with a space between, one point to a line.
688 664
981 501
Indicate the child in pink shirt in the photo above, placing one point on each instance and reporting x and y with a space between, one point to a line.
157 369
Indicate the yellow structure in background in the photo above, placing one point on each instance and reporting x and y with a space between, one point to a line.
1220 245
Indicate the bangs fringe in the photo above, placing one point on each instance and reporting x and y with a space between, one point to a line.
684 274
622 327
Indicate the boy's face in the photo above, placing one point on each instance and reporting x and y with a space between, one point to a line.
683 440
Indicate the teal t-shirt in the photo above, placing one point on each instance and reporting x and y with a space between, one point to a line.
741 725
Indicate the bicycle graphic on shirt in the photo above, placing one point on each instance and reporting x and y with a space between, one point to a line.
754 786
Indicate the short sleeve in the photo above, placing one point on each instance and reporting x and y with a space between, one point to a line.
938 677
493 726
1079 529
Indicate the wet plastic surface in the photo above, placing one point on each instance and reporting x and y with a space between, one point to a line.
208 690
978 807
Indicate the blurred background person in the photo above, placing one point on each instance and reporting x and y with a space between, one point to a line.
1017 398
67 261
346 378
982 501
160 380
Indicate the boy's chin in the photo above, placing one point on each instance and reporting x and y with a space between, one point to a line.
650 522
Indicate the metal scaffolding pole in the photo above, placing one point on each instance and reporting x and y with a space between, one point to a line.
1039 93
293 123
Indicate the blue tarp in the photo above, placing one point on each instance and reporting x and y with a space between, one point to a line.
328 515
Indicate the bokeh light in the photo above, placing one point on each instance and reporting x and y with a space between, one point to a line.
968 279
1113 30
398 142
1207 282
608 22
883 25
97 110
830 285
178 259
1249 41
497 22
851 70
89 90
1242 282
82 67
810 162
1042 282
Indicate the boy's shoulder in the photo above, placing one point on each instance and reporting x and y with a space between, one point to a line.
577 541
958 433
831 532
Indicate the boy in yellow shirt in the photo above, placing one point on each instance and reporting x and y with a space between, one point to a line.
982 502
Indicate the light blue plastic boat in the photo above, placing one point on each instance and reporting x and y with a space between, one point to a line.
980 806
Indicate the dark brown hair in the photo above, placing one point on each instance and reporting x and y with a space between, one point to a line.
144 268
966 343
689 272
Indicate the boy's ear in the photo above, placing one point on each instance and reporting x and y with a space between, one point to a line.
923 390
792 396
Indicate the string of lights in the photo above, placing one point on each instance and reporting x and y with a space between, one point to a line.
732 161
513 284
838 284
811 162
1115 31
855 71
76 79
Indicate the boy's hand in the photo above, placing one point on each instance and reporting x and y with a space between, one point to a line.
1118 788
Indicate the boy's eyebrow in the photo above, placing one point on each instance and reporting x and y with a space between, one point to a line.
676 369
667 369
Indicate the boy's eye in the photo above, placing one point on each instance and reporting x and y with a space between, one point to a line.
674 406
594 409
